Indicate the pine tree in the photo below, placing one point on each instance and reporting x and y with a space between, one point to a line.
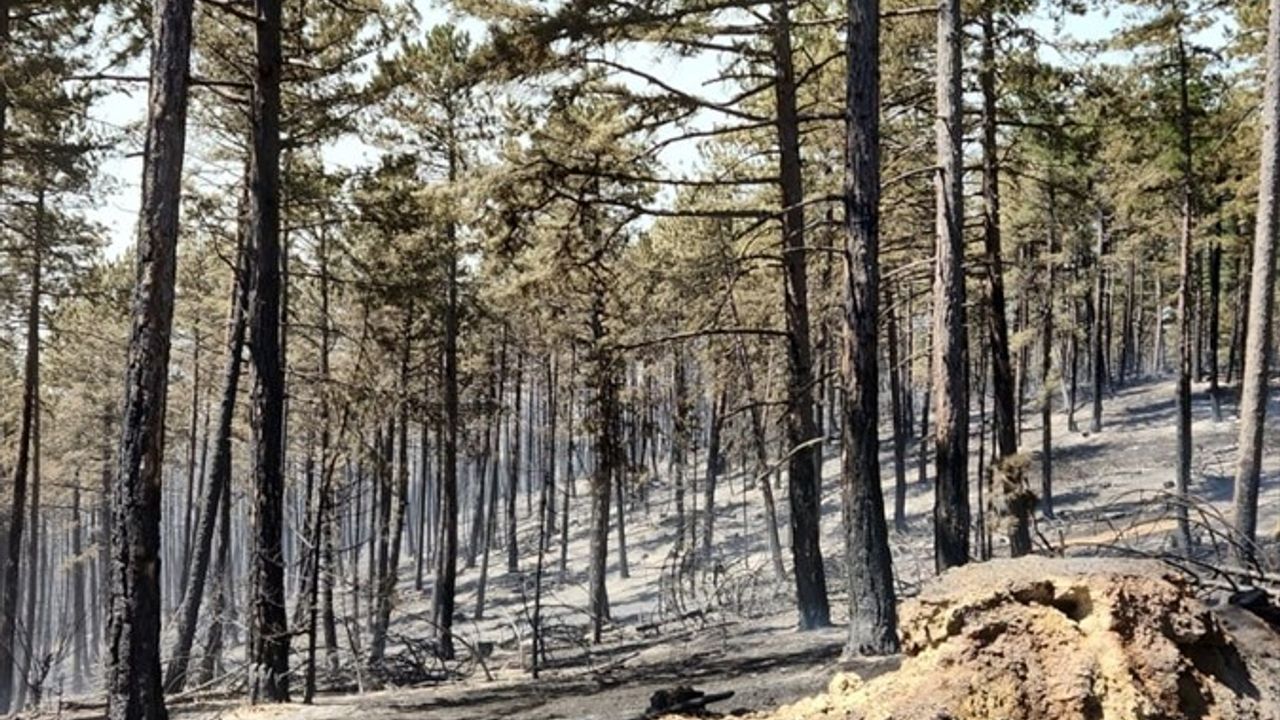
133 667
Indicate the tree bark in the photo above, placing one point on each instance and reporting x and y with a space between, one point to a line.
602 480
268 654
491 523
713 472
442 596
1253 396
24 479
872 603
399 502
1185 338
1002 376
217 483
1214 322
1046 359
513 471
950 341
804 461
189 508
79 626
132 680
901 428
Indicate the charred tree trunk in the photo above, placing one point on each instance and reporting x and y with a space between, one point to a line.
714 461
189 507
268 654
1185 338
872 603
760 444
901 428
1097 346
950 341
1046 359
399 502
1002 377
1238 321
545 501
568 464
217 484
1214 322
1253 397
446 575
133 681
26 476
79 626
804 461
602 480
513 471
491 523
680 442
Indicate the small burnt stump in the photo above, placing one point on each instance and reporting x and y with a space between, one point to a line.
682 699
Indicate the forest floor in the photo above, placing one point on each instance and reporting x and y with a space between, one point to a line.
729 625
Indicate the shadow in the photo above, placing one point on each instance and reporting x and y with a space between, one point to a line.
1215 488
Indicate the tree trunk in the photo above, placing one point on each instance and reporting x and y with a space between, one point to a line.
79 626
872 603
480 498
901 429
268 654
950 342
132 679
545 501
804 461
759 443
446 575
397 497
424 492
568 464
1097 347
491 523
219 613
1253 396
620 478
1128 359
189 507
1002 376
1215 322
513 471
602 480
680 442
714 461
31 437
217 483
1239 322
1185 338
1046 359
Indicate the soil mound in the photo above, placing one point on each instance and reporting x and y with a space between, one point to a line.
1046 639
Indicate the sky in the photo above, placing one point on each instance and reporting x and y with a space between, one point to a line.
117 210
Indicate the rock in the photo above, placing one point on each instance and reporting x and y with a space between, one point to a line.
1043 639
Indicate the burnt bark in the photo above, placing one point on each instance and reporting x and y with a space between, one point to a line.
217 484
950 340
442 596
1185 338
1253 396
1002 376
132 679
268 653
804 461
872 602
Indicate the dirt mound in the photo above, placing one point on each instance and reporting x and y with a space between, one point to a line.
1038 638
